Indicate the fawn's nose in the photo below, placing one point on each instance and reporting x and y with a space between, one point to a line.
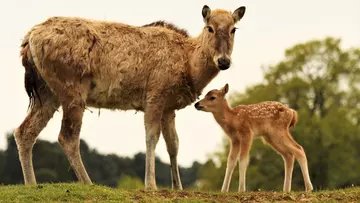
223 63
197 105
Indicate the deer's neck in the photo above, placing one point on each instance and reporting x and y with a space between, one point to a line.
224 115
201 66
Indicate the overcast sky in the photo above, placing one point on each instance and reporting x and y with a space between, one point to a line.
267 29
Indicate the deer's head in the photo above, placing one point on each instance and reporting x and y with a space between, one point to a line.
218 34
213 101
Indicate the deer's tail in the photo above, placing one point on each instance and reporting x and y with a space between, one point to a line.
33 80
294 119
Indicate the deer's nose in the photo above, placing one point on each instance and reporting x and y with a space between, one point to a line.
197 106
223 63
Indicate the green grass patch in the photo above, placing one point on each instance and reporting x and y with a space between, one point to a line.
76 192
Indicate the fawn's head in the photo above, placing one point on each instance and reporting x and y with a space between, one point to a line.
218 34
213 100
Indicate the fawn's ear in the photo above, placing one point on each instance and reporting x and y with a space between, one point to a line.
225 89
238 13
206 13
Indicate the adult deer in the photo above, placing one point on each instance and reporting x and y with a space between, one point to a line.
156 68
270 120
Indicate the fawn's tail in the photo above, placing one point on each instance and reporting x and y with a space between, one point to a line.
294 119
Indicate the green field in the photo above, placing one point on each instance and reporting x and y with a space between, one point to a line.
94 193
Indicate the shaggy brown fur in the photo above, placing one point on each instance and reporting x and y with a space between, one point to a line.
156 68
271 120
171 26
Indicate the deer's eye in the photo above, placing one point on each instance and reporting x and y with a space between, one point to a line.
211 98
233 30
210 29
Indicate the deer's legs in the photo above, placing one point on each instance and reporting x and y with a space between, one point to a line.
231 163
289 148
245 145
280 143
152 119
302 160
172 145
27 132
69 137
288 166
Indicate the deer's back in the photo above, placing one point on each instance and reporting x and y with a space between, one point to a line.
265 116
123 63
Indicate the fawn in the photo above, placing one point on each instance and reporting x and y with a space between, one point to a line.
269 120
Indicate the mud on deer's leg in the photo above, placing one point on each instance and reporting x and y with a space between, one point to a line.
231 163
69 137
27 132
172 144
152 119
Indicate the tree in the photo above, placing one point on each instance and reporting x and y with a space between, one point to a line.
12 173
321 81
2 162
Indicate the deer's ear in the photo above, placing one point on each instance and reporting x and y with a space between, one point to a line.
238 13
206 13
225 89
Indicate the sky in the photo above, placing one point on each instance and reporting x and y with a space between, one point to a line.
266 30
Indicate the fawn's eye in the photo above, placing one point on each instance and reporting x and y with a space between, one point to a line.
211 98
210 29
233 30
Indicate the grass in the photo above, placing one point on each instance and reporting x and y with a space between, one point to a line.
75 192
